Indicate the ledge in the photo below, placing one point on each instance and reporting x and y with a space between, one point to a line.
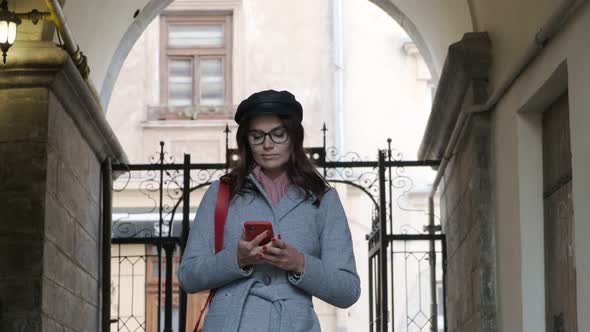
463 83
190 124
41 63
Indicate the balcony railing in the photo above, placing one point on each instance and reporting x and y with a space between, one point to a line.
192 112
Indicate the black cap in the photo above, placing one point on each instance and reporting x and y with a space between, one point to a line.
269 102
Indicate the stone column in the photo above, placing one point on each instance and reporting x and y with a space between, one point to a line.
466 194
53 138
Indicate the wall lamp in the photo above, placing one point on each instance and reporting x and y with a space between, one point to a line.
9 22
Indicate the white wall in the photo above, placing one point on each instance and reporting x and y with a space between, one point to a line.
382 92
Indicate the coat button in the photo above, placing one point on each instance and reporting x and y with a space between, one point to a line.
266 280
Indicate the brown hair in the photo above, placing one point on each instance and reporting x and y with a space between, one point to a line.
300 169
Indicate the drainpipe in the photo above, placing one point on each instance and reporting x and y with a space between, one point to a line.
432 264
79 59
338 60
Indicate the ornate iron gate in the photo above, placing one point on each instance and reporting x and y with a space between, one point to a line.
406 268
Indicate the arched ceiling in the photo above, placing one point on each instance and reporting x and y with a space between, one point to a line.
432 25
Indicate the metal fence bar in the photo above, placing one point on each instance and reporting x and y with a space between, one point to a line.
444 278
160 224
383 312
414 237
375 164
107 203
165 167
320 164
371 299
182 307
169 249
432 263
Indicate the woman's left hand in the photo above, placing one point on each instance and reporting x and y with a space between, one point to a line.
280 254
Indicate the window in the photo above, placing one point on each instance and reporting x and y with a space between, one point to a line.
195 64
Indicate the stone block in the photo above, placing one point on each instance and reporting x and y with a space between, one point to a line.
23 115
488 318
50 325
474 243
86 287
476 288
473 324
20 258
452 238
21 213
58 267
76 200
51 173
63 306
20 294
87 253
53 294
23 160
93 179
29 321
75 313
443 210
452 316
69 144
90 314
59 226
466 214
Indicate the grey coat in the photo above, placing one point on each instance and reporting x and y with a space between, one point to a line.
267 298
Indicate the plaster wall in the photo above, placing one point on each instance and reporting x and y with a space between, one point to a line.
387 88
512 26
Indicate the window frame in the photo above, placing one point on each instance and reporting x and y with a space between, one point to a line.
225 52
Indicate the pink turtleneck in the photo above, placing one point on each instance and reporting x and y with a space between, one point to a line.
275 188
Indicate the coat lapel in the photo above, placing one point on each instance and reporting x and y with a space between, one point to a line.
289 201
292 198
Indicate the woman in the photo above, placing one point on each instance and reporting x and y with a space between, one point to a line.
270 287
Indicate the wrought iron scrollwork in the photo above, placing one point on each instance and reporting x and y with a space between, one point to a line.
161 184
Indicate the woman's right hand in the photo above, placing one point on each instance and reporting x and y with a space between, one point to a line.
249 251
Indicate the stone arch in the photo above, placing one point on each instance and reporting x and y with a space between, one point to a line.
155 7
406 23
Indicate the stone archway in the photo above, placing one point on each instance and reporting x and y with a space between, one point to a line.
155 7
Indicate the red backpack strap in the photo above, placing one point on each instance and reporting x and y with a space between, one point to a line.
221 207
211 293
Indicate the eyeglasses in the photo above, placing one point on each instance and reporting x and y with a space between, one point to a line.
277 135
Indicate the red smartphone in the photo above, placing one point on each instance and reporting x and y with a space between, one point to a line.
254 228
